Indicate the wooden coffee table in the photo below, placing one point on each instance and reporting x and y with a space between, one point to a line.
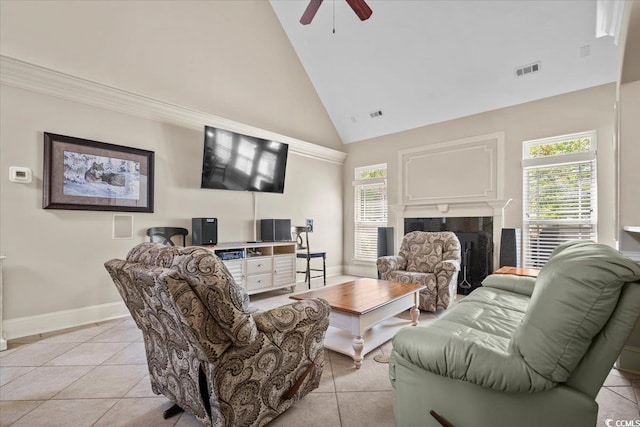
362 313
518 271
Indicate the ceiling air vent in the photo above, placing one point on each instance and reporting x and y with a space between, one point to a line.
375 114
528 69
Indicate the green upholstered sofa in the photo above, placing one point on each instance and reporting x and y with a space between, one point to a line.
521 351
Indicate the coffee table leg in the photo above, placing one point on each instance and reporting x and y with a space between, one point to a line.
415 315
415 312
358 345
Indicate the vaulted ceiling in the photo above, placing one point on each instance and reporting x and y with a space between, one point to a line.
421 62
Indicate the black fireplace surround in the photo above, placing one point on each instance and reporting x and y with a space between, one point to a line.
476 245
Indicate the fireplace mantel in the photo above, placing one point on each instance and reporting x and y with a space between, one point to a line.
452 208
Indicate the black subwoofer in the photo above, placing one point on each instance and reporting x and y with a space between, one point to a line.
275 230
204 231
385 241
510 247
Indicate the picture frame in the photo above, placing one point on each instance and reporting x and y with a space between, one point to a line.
82 174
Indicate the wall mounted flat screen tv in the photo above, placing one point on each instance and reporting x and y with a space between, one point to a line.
233 161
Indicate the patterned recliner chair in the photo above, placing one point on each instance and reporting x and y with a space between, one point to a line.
430 259
205 351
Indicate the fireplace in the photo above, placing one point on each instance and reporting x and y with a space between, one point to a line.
456 186
476 245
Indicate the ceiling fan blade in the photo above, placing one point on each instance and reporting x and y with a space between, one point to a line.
361 9
310 12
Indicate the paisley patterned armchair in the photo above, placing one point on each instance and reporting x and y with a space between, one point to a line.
205 351
430 259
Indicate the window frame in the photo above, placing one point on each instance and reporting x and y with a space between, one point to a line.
358 185
587 227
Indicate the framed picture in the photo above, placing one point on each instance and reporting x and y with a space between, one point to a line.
91 175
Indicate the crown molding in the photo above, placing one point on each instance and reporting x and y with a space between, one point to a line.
25 75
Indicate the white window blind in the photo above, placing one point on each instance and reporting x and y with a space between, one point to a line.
559 194
370 210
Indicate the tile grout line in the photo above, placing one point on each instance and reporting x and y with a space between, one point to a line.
19 376
105 412
42 365
28 412
611 389
335 389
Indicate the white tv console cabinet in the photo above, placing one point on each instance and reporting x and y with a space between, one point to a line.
262 267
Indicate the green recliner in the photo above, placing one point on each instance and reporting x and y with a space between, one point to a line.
521 351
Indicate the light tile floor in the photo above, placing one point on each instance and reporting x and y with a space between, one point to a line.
96 375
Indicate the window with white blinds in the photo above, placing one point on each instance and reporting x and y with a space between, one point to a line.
370 209
559 194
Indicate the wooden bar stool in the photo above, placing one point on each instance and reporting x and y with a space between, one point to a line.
304 253
307 273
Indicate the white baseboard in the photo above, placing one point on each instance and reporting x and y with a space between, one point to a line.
361 270
331 271
41 323
334 271
629 359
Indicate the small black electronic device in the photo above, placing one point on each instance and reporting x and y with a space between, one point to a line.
231 254
204 231
275 230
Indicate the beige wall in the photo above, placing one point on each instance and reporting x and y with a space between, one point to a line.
54 257
629 160
227 58
629 173
630 198
590 109
230 58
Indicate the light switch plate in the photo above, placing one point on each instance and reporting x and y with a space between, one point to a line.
19 174
309 223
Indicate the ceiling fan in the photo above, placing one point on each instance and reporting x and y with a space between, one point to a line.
359 7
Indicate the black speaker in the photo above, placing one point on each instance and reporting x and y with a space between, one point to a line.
275 230
204 231
385 241
510 247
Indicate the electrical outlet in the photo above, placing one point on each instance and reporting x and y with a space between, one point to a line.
309 223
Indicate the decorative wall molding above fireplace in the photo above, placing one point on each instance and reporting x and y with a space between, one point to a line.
464 170
459 178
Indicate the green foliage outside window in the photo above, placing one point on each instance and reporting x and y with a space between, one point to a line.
563 147
560 192
372 173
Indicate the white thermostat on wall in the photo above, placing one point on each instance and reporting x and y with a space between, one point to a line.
19 174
